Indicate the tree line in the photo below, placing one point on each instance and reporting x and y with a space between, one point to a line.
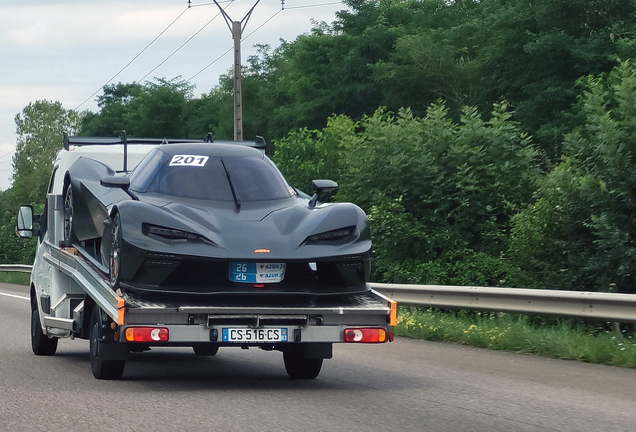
490 142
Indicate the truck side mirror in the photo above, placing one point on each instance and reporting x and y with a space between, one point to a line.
24 222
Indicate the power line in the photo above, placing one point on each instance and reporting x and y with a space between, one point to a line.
230 49
209 4
214 61
134 58
7 154
183 44
268 20
314 5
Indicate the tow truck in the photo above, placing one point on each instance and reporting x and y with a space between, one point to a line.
71 296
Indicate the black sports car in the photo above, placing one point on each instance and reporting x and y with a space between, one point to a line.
212 218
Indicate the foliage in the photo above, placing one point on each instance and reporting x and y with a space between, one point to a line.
15 250
580 232
39 126
15 278
439 194
152 110
518 333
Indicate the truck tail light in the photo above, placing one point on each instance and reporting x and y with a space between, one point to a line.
365 335
147 334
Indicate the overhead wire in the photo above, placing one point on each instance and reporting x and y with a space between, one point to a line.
192 37
314 5
268 20
7 154
184 44
133 59
230 49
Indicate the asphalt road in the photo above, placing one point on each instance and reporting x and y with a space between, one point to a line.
406 385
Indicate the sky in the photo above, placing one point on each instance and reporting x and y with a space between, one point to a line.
66 50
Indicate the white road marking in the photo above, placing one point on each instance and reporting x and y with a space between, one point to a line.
15 296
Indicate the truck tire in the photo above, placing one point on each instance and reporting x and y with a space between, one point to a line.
114 260
41 344
300 367
102 369
205 349
69 233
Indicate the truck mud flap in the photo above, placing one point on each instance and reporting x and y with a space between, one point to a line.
315 350
113 351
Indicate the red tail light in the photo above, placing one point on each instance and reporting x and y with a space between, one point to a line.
365 335
146 334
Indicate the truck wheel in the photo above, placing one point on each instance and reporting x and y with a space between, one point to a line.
114 262
41 344
102 369
69 234
299 367
205 349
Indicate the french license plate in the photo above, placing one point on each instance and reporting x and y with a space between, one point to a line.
254 335
257 272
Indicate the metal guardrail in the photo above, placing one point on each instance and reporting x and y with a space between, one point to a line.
580 304
16 268
588 305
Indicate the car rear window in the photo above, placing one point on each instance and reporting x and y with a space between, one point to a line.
206 177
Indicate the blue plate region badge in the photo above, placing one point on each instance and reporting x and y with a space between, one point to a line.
257 272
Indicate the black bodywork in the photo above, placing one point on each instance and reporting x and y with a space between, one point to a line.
189 210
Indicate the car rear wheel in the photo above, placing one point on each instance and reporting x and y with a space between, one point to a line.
41 344
114 262
69 233
300 367
102 369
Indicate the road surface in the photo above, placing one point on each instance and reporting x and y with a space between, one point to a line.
407 385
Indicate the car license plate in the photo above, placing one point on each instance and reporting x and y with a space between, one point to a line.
257 272
254 335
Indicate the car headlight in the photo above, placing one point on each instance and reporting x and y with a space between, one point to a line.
332 235
168 233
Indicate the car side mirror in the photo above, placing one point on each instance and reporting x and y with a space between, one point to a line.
320 187
119 182
116 182
24 222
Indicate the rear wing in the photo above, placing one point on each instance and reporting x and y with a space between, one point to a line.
78 141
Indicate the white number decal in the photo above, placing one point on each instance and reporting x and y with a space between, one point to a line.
188 160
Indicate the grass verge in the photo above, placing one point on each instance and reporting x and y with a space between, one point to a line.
557 338
14 278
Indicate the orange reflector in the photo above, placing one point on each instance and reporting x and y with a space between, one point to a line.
258 285
365 335
146 334
120 311
393 318
261 251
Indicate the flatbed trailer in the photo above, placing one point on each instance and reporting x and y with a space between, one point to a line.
312 323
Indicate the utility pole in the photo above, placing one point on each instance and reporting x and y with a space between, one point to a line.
237 27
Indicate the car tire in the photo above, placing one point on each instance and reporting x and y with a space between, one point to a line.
102 369
69 233
300 367
205 349
114 260
41 344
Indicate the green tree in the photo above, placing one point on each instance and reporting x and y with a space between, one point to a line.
440 194
580 232
154 109
40 127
